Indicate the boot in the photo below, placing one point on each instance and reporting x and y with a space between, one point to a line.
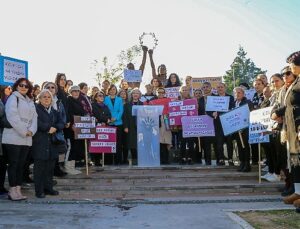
18 188
247 167
70 168
242 165
13 195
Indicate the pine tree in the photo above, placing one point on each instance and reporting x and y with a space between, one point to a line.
242 70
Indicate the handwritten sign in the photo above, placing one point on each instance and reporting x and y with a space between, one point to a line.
235 120
217 103
178 109
11 70
172 92
84 127
197 126
260 121
105 142
214 81
133 75
258 138
164 102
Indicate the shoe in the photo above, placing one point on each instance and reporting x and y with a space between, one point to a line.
247 168
297 203
42 195
230 162
189 161
291 199
13 194
242 165
221 163
20 193
183 161
265 169
70 168
273 178
266 176
288 191
51 192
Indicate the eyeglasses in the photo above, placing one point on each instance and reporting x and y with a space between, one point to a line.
50 87
23 85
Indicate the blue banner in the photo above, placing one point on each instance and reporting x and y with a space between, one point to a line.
148 135
11 70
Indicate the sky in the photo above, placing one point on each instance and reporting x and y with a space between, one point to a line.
195 37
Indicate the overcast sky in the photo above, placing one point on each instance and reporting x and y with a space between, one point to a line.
195 37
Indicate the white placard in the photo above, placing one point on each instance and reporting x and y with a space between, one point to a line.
260 121
217 103
133 75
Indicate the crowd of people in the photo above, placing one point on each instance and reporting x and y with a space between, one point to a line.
37 127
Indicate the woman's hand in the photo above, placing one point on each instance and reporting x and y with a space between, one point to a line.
113 119
215 115
126 130
52 130
29 134
67 125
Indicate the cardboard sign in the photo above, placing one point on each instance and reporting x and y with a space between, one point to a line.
250 93
235 120
133 75
258 138
164 102
197 126
105 142
214 81
11 70
217 103
172 92
84 127
260 121
178 109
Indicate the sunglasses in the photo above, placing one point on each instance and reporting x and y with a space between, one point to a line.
23 85
51 87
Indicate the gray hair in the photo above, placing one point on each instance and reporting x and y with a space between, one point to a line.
239 88
43 92
51 83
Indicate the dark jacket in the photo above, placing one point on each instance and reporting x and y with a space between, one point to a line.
101 113
42 147
63 97
129 121
245 101
74 107
257 100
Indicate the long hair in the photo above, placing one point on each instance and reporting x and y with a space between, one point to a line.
177 83
30 87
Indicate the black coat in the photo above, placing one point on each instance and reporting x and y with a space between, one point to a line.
63 97
74 107
101 113
42 147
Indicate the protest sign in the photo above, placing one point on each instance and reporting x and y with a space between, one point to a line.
133 75
197 126
163 102
258 138
250 93
178 109
235 120
105 142
260 121
84 127
172 92
217 103
214 81
11 70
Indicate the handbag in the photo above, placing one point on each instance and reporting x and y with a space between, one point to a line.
58 138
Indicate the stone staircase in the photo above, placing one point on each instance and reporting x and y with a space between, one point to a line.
166 181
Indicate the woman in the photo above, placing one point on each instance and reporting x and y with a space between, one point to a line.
59 107
35 91
161 70
124 95
102 115
115 105
105 87
198 95
44 149
156 83
165 134
186 155
61 83
68 85
149 95
92 92
129 124
291 111
21 114
173 81
244 152
76 153
5 92
3 161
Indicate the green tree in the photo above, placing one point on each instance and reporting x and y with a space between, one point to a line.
242 70
114 71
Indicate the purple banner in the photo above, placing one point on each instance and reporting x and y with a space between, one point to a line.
197 126
178 109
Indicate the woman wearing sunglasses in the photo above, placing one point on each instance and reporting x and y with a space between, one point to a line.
21 114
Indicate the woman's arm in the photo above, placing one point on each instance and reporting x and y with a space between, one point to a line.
142 67
152 63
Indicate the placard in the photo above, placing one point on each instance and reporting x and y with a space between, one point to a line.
172 92
133 75
197 126
163 102
214 81
258 138
250 93
12 69
260 121
105 142
178 109
217 103
146 98
235 120
84 127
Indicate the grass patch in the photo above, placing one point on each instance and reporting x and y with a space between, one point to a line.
274 219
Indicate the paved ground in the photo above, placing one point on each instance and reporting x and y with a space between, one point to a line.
163 213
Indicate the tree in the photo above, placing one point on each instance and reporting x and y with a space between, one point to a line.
113 72
242 70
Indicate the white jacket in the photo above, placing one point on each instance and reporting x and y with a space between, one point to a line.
22 116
